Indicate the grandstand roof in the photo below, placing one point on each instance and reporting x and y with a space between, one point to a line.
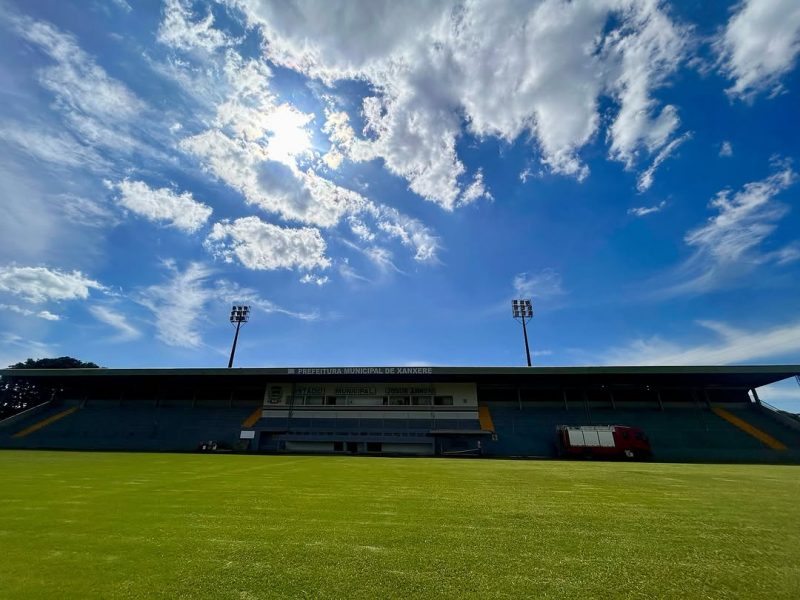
750 376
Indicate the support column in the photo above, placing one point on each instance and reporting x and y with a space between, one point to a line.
586 405
755 396
611 396
564 393
660 402
527 349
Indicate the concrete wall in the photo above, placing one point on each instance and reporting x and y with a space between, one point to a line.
309 446
415 449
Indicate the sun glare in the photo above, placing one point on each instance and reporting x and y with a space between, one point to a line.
289 138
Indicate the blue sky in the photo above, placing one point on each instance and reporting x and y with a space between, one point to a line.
380 179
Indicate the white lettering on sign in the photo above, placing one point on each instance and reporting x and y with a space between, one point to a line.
309 390
351 390
410 390
364 371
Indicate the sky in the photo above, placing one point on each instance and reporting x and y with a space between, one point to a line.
379 179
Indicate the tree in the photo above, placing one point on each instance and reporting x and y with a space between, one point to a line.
21 393
62 362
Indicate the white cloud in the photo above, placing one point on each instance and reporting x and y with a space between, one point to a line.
257 146
416 142
272 186
382 258
31 229
360 229
178 305
726 149
314 279
759 46
123 5
24 347
729 244
333 159
546 283
786 255
645 50
347 271
57 148
744 220
645 179
181 211
263 246
262 148
180 30
125 331
341 136
340 132
641 211
230 292
98 109
536 69
411 232
475 191
731 346
85 211
42 314
41 284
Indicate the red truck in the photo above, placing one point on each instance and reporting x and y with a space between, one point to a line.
611 441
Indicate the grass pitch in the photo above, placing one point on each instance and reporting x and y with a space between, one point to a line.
98 525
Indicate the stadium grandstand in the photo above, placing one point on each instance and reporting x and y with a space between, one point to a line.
687 413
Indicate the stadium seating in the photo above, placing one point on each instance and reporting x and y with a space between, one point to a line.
680 432
688 433
110 425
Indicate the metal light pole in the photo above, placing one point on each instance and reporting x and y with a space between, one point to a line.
523 309
239 315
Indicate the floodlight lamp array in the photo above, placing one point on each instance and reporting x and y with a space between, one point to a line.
522 309
240 313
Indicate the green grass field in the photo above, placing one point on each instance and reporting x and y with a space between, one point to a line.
81 525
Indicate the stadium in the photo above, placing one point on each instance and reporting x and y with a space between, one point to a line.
275 513
695 414
374 182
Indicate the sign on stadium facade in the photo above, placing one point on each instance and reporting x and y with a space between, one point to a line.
361 371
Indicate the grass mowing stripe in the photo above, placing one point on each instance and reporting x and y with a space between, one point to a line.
114 525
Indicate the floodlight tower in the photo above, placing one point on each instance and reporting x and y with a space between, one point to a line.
239 314
523 309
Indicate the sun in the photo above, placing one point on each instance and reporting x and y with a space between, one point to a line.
289 138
